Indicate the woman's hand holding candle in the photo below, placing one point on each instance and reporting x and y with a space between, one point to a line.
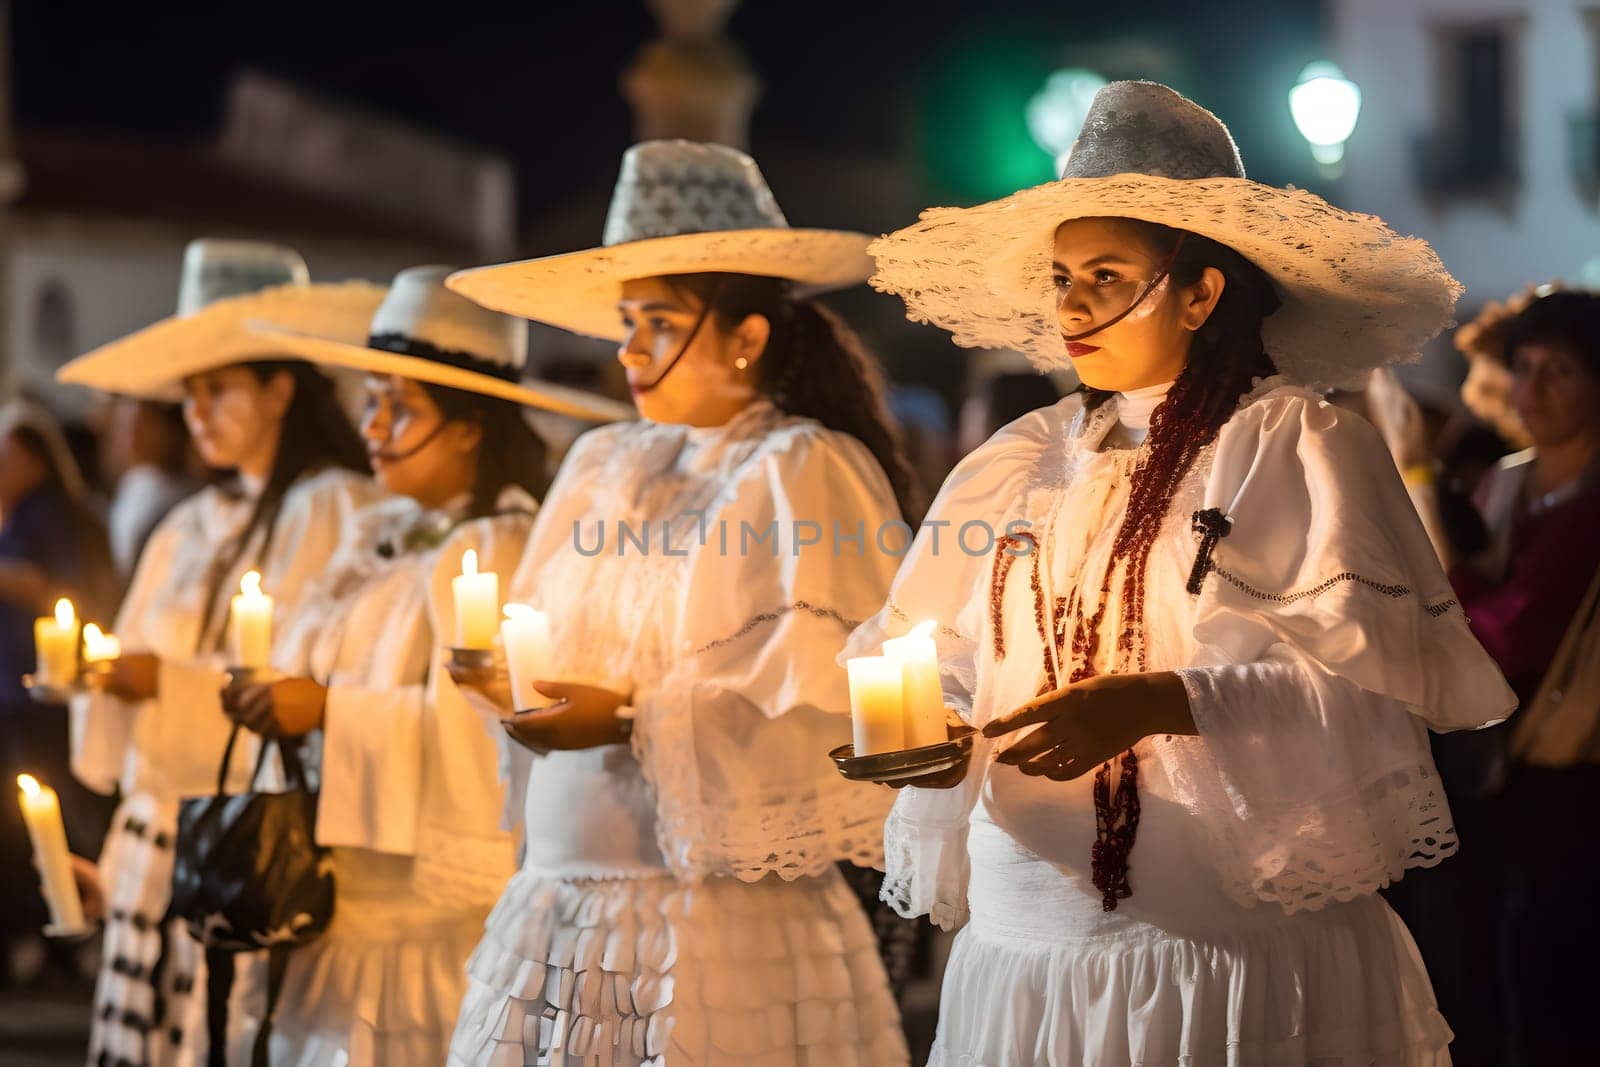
133 676
91 890
1092 721
582 716
288 707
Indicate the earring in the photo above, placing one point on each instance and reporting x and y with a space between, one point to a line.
741 363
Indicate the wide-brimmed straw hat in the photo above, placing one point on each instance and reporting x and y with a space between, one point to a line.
424 332
1355 295
680 207
223 287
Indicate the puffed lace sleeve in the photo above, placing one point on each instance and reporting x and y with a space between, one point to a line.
735 736
946 578
1328 640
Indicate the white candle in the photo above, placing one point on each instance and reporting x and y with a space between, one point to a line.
877 699
924 695
41 810
250 621
477 598
55 641
98 646
526 634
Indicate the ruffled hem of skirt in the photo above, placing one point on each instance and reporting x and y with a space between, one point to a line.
652 971
364 997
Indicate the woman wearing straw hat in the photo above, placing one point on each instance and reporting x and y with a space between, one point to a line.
1205 663
408 802
679 902
156 727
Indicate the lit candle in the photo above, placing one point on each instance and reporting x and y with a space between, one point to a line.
477 598
99 647
56 643
250 621
526 634
924 695
41 810
877 704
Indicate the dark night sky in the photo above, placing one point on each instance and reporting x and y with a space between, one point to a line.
537 80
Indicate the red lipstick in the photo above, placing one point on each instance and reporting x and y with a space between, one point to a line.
1076 349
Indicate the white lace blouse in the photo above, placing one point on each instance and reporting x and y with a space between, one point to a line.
697 570
406 766
1323 642
171 746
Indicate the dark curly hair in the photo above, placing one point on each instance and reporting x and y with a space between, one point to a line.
1568 318
814 366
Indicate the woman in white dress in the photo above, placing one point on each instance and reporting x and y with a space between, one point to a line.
408 801
1206 647
678 901
155 729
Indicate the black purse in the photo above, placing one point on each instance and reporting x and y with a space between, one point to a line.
248 872
249 875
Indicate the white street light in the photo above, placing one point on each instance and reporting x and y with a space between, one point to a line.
1056 112
1325 105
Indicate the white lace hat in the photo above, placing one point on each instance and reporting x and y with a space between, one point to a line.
425 332
680 207
1356 295
223 286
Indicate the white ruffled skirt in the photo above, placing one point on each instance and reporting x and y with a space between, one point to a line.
381 986
1042 976
647 970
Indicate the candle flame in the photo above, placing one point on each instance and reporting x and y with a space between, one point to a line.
250 584
65 616
469 561
518 611
92 635
924 629
28 784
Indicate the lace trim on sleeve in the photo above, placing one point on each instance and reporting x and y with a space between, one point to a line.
787 835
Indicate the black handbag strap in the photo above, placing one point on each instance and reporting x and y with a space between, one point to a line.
219 984
294 774
219 988
277 966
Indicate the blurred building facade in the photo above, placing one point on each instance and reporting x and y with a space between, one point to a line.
1478 131
97 231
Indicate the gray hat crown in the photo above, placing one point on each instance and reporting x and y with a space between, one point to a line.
215 269
672 187
1140 127
420 317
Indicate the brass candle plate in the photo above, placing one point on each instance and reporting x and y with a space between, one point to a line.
904 763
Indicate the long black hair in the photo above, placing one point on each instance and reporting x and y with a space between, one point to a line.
1226 355
814 366
510 452
315 434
